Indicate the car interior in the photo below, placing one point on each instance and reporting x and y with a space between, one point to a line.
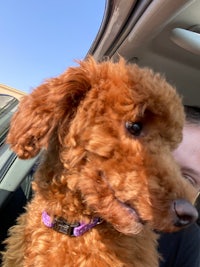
161 34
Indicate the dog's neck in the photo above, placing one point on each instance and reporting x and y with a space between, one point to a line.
71 229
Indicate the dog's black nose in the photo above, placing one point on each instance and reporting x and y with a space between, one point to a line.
184 213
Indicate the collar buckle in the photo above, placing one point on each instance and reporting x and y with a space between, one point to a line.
61 226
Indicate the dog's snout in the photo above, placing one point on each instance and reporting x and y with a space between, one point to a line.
184 213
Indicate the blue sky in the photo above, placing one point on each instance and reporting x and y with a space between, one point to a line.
40 39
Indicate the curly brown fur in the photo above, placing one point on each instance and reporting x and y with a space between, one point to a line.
93 166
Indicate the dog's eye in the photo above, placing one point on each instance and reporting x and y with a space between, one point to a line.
134 128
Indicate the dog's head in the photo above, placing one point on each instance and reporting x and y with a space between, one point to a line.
114 127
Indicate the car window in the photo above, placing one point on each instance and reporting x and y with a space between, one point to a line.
8 105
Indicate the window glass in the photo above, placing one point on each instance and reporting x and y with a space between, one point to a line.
8 105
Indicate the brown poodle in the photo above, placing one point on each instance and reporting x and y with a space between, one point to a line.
107 178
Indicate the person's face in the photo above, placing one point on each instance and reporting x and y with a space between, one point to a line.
187 154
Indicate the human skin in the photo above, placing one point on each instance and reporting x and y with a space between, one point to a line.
187 154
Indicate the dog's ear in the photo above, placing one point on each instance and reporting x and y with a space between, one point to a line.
40 113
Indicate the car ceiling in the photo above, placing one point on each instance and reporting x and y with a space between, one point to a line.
143 32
